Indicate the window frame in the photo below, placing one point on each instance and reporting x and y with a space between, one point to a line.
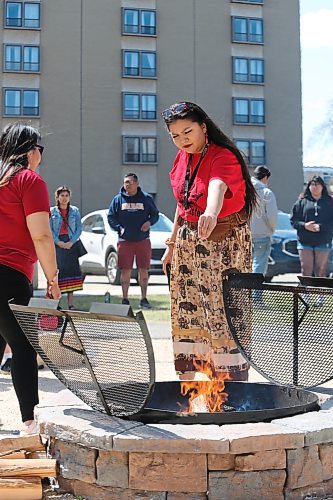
250 121
21 90
22 18
22 47
139 52
248 20
140 25
248 81
141 138
140 110
255 2
250 143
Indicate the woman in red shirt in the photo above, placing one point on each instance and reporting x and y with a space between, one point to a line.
215 198
25 236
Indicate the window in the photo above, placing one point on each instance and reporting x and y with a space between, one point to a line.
139 149
248 1
247 70
139 106
22 15
247 30
139 22
21 102
139 63
253 149
249 111
15 62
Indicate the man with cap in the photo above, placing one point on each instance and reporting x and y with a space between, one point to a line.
263 222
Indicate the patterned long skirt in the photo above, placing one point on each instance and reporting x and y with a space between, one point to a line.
70 276
198 322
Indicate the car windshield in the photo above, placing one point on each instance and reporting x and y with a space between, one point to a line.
163 224
283 223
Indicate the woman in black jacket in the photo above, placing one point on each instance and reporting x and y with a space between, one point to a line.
312 217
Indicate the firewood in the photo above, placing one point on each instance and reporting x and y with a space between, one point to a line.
33 454
42 467
21 489
14 455
10 444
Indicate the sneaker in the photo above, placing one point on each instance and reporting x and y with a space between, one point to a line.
6 367
125 302
145 304
28 430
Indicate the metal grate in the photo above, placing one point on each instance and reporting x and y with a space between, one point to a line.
106 360
285 332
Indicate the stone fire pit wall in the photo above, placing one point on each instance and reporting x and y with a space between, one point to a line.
103 457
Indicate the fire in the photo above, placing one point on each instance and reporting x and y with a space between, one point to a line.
205 396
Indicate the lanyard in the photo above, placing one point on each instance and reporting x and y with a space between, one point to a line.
189 180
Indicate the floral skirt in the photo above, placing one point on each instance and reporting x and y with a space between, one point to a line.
198 322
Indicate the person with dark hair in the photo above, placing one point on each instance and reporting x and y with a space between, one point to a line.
66 230
131 213
211 235
312 217
263 223
25 236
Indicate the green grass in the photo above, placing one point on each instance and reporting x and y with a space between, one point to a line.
160 305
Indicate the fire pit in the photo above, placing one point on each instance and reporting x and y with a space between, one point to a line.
106 358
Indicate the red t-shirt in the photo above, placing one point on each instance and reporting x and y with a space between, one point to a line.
64 224
218 163
25 194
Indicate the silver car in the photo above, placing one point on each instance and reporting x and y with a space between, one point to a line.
101 244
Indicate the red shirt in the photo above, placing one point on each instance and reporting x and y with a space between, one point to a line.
64 224
218 163
25 194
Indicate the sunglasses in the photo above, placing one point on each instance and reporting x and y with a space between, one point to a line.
39 147
176 109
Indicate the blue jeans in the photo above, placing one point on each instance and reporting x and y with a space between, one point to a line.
261 248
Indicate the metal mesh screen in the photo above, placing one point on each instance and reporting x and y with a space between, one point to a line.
106 361
285 332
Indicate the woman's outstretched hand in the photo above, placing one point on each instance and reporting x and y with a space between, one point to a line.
206 224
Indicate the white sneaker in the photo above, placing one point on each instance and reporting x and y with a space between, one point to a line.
30 429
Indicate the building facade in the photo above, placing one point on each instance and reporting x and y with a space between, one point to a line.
95 75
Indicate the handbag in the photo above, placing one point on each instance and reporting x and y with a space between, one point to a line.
80 248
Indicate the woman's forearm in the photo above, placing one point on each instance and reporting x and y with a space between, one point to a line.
175 226
45 251
216 191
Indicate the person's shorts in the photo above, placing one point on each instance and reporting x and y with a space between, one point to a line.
127 250
324 247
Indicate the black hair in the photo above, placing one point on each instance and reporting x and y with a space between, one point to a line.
16 140
195 113
319 180
135 177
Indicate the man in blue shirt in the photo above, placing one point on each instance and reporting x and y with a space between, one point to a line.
131 213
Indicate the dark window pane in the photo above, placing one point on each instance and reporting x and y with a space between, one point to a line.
12 102
148 107
239 29
241 70
244 147
148 22
31 59
30 103
258 152
148 64
13 58
256 30
257 112
131 21
14 14
149 150
131 64
131 106
241 111
132 149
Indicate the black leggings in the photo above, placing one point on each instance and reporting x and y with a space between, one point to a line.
15 285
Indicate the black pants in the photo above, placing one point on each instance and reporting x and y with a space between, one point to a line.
15 285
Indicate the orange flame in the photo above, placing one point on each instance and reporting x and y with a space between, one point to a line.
205 396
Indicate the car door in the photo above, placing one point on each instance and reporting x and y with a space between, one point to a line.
93 233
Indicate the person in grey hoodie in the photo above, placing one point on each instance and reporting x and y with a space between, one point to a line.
263 221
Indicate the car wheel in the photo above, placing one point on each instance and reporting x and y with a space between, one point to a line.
112 271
